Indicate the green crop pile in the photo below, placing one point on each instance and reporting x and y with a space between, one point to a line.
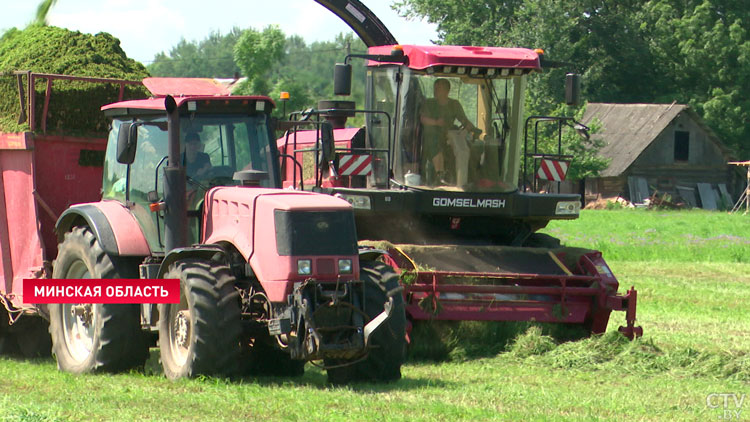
74 106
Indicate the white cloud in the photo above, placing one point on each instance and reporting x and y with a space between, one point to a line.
141 28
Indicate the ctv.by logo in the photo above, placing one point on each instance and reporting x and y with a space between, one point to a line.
729 403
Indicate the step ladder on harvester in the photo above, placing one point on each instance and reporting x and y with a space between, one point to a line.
745 197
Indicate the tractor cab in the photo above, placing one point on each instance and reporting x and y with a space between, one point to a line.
223 141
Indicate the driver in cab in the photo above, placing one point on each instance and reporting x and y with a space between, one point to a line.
438 116
197 163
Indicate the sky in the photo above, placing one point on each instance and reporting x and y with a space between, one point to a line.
147 27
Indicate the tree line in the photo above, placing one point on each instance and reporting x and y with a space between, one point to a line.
269 61
695 52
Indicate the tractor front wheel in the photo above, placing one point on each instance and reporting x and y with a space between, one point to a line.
388 343
201 334
94 337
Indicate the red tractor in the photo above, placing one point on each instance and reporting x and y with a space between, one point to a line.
270 278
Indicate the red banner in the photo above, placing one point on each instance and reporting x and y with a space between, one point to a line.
119 290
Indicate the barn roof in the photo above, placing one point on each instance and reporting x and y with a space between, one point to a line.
628 129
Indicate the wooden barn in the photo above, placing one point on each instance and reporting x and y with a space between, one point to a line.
665 148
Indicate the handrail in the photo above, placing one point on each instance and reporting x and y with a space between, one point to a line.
28 109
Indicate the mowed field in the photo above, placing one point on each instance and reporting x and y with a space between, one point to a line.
692 272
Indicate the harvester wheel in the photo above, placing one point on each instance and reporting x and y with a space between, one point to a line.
388 342
98 337
201 334
542 240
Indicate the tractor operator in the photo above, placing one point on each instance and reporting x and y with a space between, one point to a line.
197 163
438 115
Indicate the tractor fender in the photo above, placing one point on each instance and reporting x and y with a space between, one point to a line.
205 252
114 226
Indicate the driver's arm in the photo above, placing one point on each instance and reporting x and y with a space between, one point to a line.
461 117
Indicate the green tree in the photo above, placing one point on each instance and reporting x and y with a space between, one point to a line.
256 52
270 66
586 161
307 70
705 48
689 51
212 57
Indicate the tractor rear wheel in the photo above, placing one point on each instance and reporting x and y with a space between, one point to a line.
94 337
201 334
388 343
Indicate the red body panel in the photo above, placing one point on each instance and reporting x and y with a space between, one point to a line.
422 57
41 176
20 240
161 87
62 181
244 217
304 139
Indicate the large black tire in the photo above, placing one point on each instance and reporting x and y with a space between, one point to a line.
265 359
33 338
542 240
8 343
388 342
201 334
101 337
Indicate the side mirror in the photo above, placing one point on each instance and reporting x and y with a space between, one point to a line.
127 138
573 89
342 79
326 139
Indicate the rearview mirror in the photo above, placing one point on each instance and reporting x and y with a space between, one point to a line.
573 89
326 139
342 79
127 138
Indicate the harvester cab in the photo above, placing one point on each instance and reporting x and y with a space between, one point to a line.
270 278
434 178
443 139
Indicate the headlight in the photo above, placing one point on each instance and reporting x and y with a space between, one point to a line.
568 208
345 266
361 202
304 267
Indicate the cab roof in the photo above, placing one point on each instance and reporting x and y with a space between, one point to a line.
423 57
158 103
188 89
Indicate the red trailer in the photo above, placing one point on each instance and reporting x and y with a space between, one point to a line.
41 175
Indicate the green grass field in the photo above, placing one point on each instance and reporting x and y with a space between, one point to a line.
692 271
